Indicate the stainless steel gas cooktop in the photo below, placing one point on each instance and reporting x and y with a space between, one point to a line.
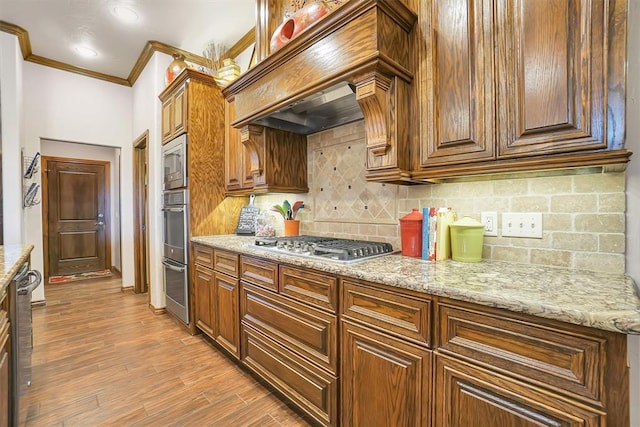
344 250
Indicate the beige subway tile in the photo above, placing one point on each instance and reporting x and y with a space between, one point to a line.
530 204
551 257
388 231
509 187
557 222
511 254
612 202
477 189
368 229
550 185
599 183
445 190
462 207
491 204
600 223
416 191
487 252
600 262
574 203
612 243
574 241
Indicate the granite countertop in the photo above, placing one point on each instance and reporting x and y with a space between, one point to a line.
11 257
604 301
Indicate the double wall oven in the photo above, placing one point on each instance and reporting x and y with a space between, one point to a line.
175 209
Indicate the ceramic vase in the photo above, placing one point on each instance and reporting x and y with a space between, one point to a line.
175 67
227 73
300 20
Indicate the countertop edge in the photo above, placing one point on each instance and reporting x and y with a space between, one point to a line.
620 311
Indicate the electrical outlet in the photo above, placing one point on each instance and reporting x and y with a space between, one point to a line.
528 224
490 221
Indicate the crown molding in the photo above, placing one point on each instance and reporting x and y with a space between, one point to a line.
149 49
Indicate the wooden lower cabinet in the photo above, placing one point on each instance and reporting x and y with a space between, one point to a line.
227 331
313 390
203 287
385 381
469 396
5 361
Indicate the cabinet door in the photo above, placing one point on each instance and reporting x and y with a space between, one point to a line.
470 397
226 313
167 116
385 381
180 111
205 300
238 174
552 68
456 82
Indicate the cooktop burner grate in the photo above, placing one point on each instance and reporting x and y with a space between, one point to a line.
326 247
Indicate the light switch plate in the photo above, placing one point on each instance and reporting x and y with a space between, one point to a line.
527 224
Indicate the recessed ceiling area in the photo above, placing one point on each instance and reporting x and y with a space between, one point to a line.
58 29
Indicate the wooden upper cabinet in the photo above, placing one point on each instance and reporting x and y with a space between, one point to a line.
238 176
509 85
457 83
174 113
552 68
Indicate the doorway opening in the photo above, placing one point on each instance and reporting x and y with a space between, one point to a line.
140 213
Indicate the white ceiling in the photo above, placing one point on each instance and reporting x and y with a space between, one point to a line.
55 26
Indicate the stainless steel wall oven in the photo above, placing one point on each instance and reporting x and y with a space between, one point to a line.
176 248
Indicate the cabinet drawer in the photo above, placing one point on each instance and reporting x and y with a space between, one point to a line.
203 255
401 315
259 272
312 389
319 290
307 331
226 262
566 360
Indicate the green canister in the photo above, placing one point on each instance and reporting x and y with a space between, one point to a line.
467 236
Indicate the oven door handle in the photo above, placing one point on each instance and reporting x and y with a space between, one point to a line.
34 280
173 267
173 209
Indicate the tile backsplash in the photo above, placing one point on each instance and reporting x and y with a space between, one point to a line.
583 215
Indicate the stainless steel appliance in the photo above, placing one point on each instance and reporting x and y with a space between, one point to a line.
21 288
176 249
328 248
174 163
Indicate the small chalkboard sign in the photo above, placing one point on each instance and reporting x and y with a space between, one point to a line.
247 220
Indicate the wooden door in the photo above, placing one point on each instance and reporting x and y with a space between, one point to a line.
552 66
205 299
470 397
385 381
456 83
77 212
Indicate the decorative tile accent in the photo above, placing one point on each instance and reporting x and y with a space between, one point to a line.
340 190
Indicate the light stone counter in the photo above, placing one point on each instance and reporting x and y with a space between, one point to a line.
11 258
604 301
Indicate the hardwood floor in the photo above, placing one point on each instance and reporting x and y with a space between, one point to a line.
101 357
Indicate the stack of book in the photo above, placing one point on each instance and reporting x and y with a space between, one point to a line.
436 240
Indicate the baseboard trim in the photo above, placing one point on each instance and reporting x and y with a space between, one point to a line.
155 310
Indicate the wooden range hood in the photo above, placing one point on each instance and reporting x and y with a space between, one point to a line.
364 43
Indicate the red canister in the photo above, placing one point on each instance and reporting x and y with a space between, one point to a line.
411 233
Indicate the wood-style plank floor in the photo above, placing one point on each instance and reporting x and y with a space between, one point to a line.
103 358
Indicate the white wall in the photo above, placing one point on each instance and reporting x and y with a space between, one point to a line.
633 190
64 106
147 115
11 136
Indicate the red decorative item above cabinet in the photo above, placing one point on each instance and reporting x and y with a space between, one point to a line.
300 20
